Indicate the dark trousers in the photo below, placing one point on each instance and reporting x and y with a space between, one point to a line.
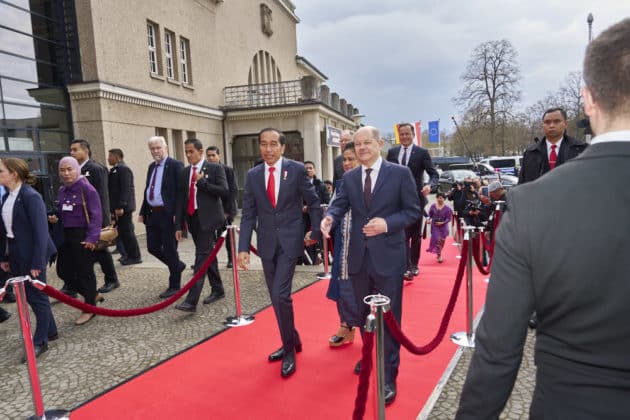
413 239
367 282
204 242
45 325
127 235
228 246
75 264
279 278
106 262
161 243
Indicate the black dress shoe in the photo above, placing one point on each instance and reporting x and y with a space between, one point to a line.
108 287
53 337
213 297
390 393
168 293
186 307
288 364
39 349
182 266
229 265
131 261
276 355
4 315
357 368
415 271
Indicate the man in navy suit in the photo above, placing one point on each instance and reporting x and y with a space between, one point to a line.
158 212
272 204
418 160
202 186
383 200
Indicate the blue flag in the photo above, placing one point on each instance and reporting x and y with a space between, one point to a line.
434 131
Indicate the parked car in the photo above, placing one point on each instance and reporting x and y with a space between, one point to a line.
506 164
507 181
450 177
479 168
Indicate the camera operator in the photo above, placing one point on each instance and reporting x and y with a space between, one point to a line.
477 207
458 197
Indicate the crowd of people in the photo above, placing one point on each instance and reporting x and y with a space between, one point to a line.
547 260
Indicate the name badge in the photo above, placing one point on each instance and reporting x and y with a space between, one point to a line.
67 207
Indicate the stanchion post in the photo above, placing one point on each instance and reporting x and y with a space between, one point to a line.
326 274
458 239
460 233
29 350
239 320
378 305
467 338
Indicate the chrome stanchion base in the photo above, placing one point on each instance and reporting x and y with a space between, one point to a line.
239 321
323 276
55 414
462 339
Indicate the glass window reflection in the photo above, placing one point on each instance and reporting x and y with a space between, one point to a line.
34 117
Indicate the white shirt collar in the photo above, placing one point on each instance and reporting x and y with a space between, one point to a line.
558 143
622 135
15 191
376 166
81 165
277 165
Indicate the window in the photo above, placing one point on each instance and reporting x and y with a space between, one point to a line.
153 42
184 58
169 52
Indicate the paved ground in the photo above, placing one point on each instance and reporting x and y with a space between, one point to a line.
88 360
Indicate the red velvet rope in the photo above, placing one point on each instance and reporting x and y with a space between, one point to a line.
364 376
399 336
477 256
254 251
56 294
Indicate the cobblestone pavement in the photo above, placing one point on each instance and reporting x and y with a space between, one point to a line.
517 407
88 360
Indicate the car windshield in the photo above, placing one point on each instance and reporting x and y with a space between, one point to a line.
503 163
460 174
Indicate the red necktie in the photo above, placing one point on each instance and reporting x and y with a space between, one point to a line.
152 186
271 187
191 193
553 157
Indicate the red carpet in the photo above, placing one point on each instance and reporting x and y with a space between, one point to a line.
228 376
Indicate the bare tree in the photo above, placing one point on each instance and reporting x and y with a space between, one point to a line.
490 85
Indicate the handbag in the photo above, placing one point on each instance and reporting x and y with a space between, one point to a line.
108 234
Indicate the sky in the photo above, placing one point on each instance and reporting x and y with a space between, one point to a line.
401 60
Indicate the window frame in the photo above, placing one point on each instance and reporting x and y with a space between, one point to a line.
170 53
153 46
184 61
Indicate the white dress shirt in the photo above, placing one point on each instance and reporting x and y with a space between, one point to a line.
197 167
7 211
622 135
376 168
558 144
276 176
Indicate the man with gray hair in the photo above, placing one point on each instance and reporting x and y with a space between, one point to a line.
158 211
574 274
346 136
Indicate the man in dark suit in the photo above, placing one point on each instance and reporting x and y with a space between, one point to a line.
312 251
418 160
202 186
553 150
575 274
346 136
384 200
97 175
158 212
122 204
272 204
230 206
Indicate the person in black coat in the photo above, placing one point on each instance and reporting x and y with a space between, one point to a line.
324 197
96 174
553 150
230 205
574 274
418 160
122 204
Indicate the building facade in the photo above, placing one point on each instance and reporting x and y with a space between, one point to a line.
116 75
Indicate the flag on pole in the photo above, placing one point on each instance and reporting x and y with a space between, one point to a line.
396 134
434 131
418 133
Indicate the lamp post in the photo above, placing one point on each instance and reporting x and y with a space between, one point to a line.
589 20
